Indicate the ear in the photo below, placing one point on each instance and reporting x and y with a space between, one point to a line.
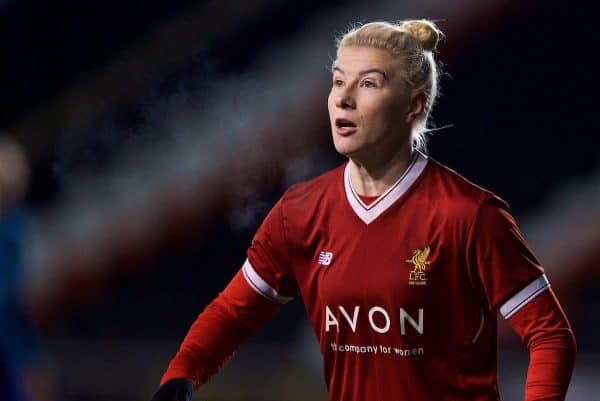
417 106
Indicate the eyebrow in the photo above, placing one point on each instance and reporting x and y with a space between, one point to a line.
363 72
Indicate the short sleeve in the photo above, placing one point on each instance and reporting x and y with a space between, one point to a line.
501 261
268 266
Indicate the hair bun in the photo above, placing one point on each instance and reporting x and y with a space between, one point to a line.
425 31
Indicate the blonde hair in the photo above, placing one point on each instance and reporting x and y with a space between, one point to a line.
413 42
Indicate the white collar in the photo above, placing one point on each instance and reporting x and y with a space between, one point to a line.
368 213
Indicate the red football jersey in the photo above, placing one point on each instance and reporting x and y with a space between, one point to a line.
402 293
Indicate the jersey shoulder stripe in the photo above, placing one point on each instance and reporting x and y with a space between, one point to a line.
261 286
523 297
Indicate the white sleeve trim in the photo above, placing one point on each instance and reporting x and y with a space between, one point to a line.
524 296
261 286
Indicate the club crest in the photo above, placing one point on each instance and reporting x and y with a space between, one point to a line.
418 275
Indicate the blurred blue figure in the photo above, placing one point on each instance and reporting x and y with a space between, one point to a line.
18 350
16 335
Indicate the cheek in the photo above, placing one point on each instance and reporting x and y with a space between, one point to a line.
330 103
385 113
372 115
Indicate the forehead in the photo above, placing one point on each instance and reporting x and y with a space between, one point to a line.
352 59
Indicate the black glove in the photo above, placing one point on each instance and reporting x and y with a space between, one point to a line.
175 390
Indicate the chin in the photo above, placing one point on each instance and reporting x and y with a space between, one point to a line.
347 146
348 151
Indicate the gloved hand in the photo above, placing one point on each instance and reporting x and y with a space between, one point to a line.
175 390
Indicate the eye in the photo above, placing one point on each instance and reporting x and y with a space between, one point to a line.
368 84
338 82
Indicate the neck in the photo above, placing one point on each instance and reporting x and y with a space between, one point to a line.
373 178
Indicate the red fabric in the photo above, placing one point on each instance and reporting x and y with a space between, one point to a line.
384 327
404 306
367 200
218 331
544 328
497 256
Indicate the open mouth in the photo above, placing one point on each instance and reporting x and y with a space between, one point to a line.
344 123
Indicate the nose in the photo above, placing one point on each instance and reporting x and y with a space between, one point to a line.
344 100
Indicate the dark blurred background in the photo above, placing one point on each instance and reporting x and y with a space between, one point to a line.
154 137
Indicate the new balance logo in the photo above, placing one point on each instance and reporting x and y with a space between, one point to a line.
325 258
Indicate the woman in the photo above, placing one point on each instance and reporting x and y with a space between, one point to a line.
402 263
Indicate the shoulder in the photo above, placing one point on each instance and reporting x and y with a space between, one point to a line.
457 194
310 192
303 203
